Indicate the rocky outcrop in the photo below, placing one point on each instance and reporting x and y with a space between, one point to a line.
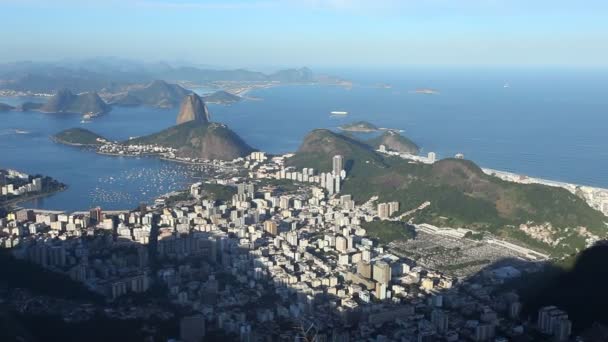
193 109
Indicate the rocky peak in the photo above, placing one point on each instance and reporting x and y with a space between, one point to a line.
193 109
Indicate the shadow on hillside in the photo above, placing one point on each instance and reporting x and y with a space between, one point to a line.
264 306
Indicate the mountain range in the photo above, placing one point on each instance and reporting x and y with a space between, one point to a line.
113 74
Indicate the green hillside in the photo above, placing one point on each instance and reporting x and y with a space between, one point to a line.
198 140
461 195
78 136
394 141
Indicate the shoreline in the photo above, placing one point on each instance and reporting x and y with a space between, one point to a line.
16 201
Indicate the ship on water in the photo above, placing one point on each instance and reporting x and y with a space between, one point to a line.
339 113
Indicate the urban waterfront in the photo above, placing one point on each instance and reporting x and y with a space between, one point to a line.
536 126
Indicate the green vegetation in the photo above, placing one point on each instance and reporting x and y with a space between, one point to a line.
179 197
461 195
321 145
78 136
281 185
198 140
394 141
359 126
387 231
218 192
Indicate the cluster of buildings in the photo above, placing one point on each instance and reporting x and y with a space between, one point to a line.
135 150
15 183
288 264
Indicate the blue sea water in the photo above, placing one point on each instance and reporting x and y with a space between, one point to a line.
547 123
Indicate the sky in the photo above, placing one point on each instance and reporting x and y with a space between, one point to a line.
323 33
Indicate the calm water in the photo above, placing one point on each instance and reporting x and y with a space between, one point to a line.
547 123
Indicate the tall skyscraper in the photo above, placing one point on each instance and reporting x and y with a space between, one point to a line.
382 272
338 164
383 210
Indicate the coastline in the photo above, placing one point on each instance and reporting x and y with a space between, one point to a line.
16 201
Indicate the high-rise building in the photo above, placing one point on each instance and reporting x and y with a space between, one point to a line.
383 210
341 244
553 321
393 207
382 272
96 214
338 164
271 227
432 157
364 268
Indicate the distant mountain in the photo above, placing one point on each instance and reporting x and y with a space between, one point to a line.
64 101
114 74
359 126
293 75
193 109
156 94
195 139
459 192
207 75
5 108
78 137
394 141
222 97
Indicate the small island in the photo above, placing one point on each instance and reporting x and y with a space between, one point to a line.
359 126
79 137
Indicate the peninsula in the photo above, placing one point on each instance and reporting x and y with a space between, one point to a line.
79 137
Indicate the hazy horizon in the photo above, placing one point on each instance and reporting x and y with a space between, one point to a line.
316 33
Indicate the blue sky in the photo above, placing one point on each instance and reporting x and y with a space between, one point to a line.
347 33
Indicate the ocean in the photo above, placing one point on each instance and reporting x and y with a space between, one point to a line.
549 124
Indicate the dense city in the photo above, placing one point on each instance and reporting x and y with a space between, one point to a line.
261 251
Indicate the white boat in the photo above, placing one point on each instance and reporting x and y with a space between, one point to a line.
339 113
